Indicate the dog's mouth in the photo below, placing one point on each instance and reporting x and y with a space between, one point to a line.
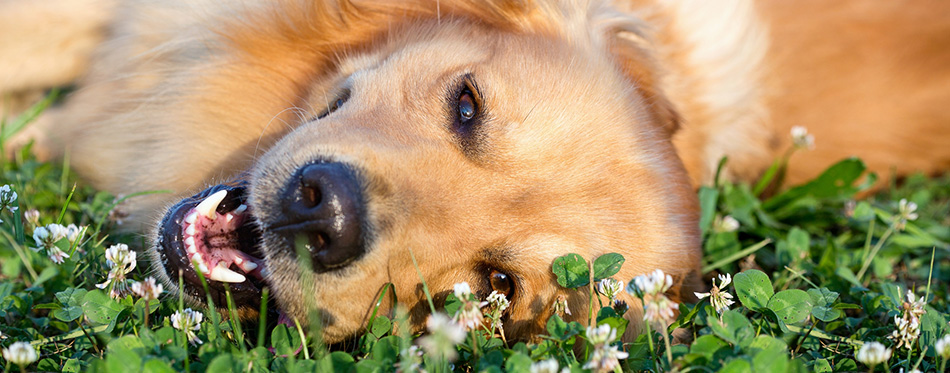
215 232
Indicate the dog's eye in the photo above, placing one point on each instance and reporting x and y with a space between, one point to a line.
336 104
466 110
502 283
466 106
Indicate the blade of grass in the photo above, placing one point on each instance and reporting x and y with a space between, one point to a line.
736 256
20 122
425 287
262 323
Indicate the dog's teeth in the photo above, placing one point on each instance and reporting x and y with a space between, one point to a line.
239 210
190 218
190 230
248 266
208 206
191 249
228 217
190 241
224 274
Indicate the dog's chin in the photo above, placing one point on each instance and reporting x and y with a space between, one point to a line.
215 233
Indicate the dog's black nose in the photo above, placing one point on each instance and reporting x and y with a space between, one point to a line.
325 205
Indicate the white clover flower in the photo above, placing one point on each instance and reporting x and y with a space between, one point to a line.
32 216
46 238
600 334
20 353
462 290
469 315
609 288
943 347
188 321
560 305
73 232
147 289
443 335
718 297
653 283
659 310
410 360
873 353
726 223
905 212
121 261
56 255
497 304
8 198
908 330
801 138
544 366
605 358
908 323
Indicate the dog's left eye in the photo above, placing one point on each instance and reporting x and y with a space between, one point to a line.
337 103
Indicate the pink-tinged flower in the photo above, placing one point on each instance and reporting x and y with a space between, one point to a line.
605 356
188 321
147 289
497 304
73 233
444 335
659 310
718 297
32 216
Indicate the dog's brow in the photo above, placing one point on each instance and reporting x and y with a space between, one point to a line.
498 255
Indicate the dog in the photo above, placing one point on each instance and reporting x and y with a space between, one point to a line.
331 149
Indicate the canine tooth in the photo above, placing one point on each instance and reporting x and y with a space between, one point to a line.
190 218
190 241
223 274
190 230
248 266
208 206
239 210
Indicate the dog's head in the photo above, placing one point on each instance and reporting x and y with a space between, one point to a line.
474 143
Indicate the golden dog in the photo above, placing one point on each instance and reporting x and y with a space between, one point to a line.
484 139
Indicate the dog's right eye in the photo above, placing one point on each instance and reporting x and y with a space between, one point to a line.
336 104
502 283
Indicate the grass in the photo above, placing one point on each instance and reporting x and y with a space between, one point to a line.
815 275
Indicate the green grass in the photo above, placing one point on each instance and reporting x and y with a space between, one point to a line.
802 300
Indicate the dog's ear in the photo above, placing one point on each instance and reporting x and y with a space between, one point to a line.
626 39
641 69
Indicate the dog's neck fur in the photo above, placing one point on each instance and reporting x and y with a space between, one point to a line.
714 55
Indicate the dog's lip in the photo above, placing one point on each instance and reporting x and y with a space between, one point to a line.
176 261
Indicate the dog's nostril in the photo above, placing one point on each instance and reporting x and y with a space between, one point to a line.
324 202
311 195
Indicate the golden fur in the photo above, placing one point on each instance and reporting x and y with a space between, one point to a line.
586 101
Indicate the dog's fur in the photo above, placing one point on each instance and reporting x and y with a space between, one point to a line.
583 103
